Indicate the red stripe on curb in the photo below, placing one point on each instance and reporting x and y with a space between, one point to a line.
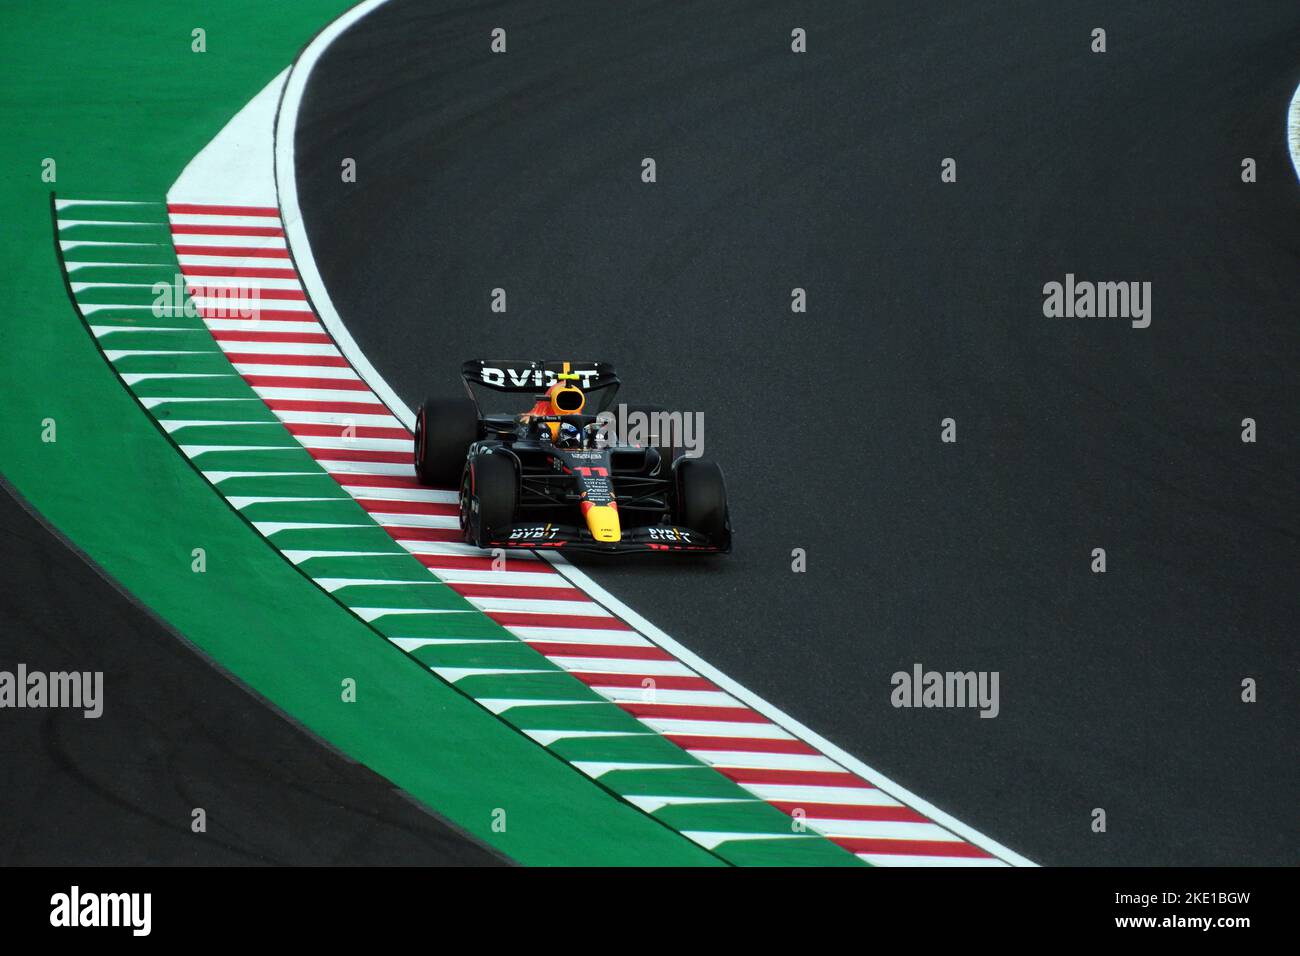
525 619
758 745
796 778
206 209
360 431
236 252
911 847
318 338
422 534
257 315
448 509
185 229
519 591
264 358
380 481
657 681
605 651
239 272
335 384
245 292
849 811
468 562
336 408
740 715
350 454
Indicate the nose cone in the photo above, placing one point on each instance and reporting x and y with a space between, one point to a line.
602 520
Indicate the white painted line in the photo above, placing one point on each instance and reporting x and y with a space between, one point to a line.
336 395
269 528
217 477
335 584
415 521
243 305
223 219
65 223
533 578
131 378
652 803
605 637
291 214
363 467
262 325
73 265
683 698
286 348
244 282
881 829
1293 131
64 203
715 728
617 665
303 371
855 796
711 840
298 557
386 494
899 859
171 425
228 260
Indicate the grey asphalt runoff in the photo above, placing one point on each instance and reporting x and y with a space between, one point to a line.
175 734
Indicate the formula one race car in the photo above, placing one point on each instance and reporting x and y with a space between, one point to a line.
557 476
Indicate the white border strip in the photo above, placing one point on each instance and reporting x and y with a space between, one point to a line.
286 184
300 249
1293 131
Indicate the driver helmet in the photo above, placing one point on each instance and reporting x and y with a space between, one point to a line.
569 436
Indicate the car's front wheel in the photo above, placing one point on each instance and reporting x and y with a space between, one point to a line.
701 494
489 496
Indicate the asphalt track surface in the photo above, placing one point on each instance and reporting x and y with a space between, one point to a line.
822 171
175 734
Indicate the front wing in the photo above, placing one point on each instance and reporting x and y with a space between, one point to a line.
575 538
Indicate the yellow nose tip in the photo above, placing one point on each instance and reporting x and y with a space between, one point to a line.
603 522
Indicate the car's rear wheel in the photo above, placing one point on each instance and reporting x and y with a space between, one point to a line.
701 497
489 496
444 430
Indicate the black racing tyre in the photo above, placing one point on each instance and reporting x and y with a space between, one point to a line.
663 443
490 482
701 497
444 430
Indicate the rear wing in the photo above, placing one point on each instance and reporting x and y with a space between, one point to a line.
597 379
